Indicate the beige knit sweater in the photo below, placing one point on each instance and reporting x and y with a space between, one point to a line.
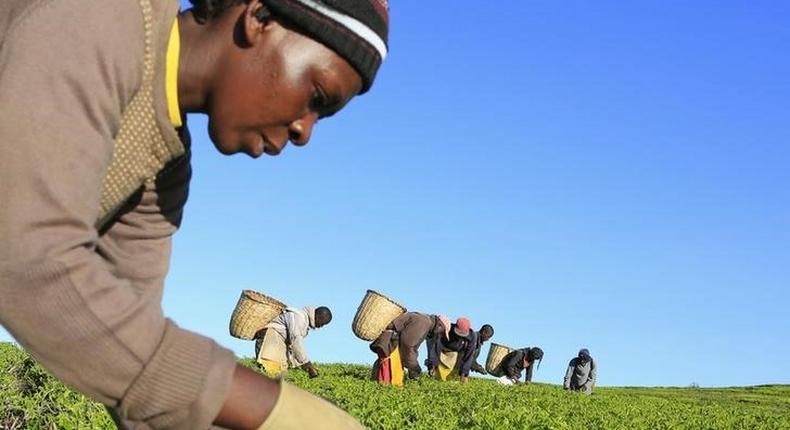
87 210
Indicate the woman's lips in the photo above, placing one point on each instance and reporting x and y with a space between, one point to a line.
261 146
270 148
258 148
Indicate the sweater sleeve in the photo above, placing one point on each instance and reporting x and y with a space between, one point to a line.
566 383
590 382
298 351
529 369
434 345
467 356
78 312
137 246
298 327
513 365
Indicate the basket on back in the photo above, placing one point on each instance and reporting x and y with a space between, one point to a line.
253 311
374 315
495 355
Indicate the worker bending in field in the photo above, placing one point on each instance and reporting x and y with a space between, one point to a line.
581 373
485 333
453 353
509 371
398 346
281 344
95 170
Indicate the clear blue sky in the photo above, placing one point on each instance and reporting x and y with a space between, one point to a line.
610 175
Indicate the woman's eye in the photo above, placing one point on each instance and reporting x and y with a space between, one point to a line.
319 100
323 103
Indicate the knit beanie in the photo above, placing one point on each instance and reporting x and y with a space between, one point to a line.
355 29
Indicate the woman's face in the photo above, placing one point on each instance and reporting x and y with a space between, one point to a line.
275 90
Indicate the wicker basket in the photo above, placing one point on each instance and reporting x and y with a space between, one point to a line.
374 315
495 355
253 311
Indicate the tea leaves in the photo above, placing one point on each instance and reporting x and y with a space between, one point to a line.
32 399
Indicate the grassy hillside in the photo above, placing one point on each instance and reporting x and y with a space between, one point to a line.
31 399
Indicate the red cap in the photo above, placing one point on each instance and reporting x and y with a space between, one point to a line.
462 327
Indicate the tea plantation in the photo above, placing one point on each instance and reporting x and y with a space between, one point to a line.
31 399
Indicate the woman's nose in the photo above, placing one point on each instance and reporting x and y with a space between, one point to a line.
299 131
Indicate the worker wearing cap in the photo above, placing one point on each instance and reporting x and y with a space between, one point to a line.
406 333
581 373
456 352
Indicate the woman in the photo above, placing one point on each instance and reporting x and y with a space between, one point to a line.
95 169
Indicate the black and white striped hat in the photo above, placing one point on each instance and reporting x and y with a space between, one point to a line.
355 29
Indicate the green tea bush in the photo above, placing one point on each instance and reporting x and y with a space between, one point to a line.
32 399
483 404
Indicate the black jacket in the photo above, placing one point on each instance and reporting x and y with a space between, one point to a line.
465 346
513 364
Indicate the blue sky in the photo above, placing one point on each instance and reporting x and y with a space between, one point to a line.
610 175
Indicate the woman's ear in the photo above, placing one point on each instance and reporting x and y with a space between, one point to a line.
255 19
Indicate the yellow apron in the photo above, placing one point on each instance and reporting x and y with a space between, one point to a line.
396 368
272 353
446 368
